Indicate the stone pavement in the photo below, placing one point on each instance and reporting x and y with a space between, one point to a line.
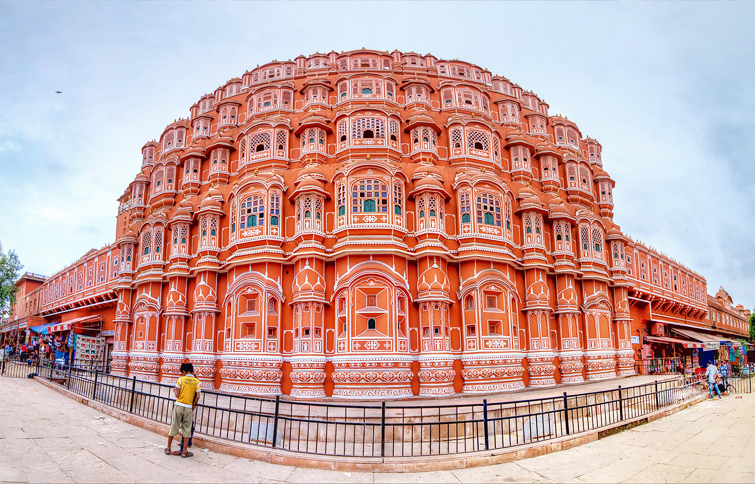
46 437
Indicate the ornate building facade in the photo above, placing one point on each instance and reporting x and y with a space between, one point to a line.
375 225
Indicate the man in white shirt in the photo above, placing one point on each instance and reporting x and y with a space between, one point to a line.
711 373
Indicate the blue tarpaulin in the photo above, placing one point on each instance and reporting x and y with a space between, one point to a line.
42 328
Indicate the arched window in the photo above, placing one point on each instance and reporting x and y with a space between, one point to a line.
371 323
477 140
146 242
465 207
367 128
252 212
398 197
369 196
597 240
488 209
275 207
341 199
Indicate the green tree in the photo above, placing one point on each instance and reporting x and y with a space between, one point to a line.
752 326
10 268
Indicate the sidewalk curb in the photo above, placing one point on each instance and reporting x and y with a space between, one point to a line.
378 464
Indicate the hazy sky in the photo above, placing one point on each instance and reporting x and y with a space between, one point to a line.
667 88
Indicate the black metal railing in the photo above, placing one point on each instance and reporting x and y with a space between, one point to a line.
383 429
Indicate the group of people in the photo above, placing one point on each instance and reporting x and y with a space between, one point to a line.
717 375
49 347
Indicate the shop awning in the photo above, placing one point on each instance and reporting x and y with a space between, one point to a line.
42 328
683 342
58 327
732 341
710 342
705 338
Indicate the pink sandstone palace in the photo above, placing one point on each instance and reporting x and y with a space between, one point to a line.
373 225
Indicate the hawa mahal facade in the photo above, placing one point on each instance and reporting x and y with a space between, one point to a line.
374 225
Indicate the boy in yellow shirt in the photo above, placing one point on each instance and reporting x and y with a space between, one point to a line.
187 392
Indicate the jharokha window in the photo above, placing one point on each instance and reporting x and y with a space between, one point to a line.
275 209
252 212
488 210
465 208
367 128
369 196
341 199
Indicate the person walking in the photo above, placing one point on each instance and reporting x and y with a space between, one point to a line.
187 392
711 374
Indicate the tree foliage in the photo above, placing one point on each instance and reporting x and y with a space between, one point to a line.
752 326
10 268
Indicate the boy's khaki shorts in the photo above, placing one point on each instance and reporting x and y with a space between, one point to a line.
181 420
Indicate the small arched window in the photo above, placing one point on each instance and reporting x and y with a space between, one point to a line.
371 323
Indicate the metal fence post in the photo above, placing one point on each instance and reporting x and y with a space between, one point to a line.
382 431
566 413
94 387
621 406
749 375
657 398
275 422
133 390
485 420
69 376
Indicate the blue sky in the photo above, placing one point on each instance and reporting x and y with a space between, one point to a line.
667 88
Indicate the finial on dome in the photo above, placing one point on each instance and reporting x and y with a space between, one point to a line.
256 171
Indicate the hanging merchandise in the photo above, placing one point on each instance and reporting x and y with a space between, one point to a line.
89 350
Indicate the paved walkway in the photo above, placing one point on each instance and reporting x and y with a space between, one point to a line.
46 437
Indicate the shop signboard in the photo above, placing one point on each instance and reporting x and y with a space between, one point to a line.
109 332
635 340
711 345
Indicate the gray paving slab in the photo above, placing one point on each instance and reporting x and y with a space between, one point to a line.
46 437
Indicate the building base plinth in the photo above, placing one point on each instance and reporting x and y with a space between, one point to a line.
491 373
625 363
204 369
570 365
251 374
144 366
436 375
600 366
171 367
372 377
307 376
541 369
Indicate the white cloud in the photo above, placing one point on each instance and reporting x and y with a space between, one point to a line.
665 87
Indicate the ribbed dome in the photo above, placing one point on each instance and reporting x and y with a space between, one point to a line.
209 202
433 280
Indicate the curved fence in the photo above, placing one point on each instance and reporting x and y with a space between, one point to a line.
380 430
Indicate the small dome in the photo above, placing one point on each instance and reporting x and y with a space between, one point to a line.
614 231
311 183
308 282
214 192
433 280
537 293
209 202
427 182
425 169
